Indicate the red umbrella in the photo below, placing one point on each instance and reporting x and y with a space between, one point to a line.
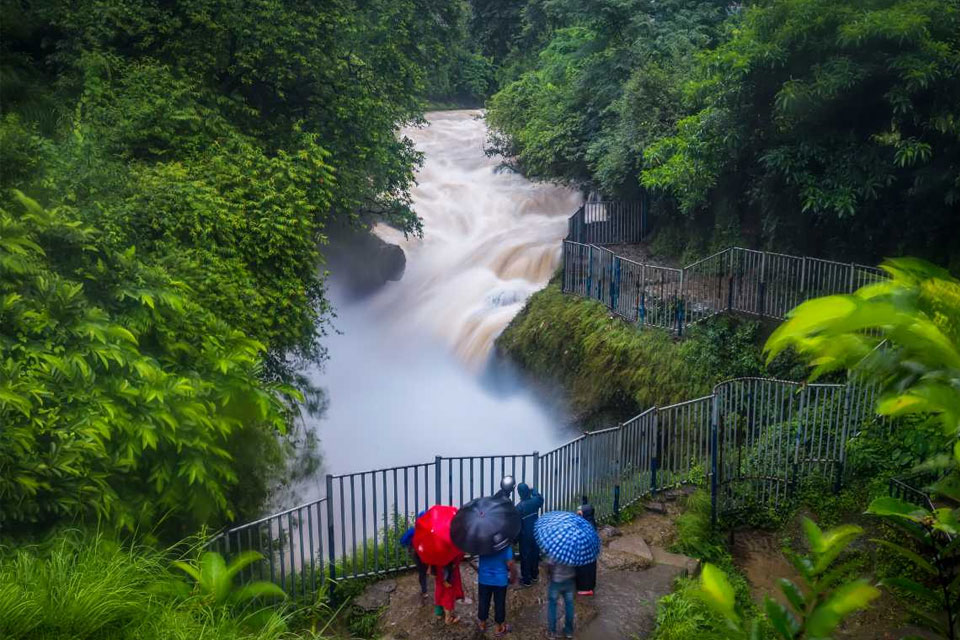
431 536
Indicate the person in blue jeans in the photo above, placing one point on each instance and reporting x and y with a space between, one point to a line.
493 576
562 583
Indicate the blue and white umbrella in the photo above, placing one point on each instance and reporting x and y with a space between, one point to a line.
567 538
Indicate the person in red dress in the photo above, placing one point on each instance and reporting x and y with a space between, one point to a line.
448 589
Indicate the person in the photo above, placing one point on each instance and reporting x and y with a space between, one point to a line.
561 584
448 588
587 574
406 540
528 508
493 576
506 488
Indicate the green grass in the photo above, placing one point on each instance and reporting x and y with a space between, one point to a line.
79 586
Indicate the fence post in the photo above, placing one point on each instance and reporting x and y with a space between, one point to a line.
803 277
679 311
615 283
843 437
589 271
536 471
853 270
714 455
762 285
655 459
618 470
437 478
331 537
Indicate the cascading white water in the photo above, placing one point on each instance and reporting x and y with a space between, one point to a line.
490 240
405 376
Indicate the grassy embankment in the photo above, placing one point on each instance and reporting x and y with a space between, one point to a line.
608 365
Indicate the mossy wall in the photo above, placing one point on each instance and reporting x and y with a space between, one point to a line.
605 363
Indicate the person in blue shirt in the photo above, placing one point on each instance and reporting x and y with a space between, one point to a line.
529 509
493 576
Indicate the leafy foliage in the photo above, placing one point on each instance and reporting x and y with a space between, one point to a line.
805 126
119 393
85 586
917 313
935 531
214 578
817 606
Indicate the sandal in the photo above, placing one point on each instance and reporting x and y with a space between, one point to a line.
507 628
453 620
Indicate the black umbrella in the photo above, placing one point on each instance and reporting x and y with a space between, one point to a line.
485 525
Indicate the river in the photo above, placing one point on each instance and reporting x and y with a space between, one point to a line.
410 373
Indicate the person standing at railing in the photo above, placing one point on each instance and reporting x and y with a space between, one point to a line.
448 588
495 571
529 508
506 488
587 574
407 541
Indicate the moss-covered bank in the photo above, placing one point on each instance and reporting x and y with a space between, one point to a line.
605 363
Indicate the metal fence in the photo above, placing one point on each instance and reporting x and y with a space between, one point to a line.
736 279
753 442
608 222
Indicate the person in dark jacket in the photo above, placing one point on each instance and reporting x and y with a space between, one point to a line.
406 540
586 578
529 508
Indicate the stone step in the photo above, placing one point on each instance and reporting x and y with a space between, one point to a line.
688 566
627 553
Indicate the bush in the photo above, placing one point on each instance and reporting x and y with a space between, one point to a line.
78 586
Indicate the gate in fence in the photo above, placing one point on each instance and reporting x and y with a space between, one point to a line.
742 280
608 222
753 442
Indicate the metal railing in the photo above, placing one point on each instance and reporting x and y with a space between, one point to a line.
752 442
608 222
735 279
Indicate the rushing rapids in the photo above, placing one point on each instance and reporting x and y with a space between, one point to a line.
409 374
491 238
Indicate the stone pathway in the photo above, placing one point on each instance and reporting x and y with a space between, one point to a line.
631 576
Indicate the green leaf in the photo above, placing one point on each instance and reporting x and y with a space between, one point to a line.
793 594
781 620
838 605
258 590
717 592
913 557
917 589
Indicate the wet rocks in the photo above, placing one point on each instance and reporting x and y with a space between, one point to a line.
627 553
608 532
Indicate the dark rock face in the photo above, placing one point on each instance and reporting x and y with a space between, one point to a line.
391 261
362 262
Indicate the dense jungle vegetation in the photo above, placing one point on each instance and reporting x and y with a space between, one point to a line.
170 171
828 128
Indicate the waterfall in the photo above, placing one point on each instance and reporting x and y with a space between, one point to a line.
408 375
